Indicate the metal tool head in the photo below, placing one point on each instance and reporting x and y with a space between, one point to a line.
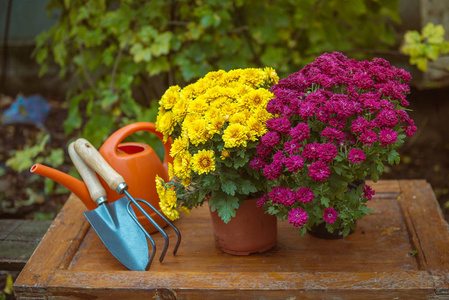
121 235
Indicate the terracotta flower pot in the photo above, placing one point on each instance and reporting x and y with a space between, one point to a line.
250 231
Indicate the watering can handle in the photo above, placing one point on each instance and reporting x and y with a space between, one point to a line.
96 190
117 137
94 160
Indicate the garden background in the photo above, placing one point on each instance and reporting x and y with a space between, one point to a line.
100 65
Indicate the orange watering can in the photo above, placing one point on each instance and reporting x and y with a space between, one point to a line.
138 164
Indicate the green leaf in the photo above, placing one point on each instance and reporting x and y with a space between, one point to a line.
226 205
161 44
393 157
210 182
272 210
325 201
228 186
246 186
240 162
108 98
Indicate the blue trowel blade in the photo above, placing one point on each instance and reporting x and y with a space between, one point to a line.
120 234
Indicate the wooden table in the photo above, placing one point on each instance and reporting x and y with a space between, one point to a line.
375 262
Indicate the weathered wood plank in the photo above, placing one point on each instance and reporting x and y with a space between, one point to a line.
18 240
431 229
57 247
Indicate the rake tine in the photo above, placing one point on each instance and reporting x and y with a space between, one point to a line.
159 228
167 221
153 244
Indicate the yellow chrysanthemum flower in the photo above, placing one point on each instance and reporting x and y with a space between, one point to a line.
228 109
215 75
171 171
212 113
256 99
256 128
232 75
235 135
203 161
178 146
215 125
272 76
224 154
167 200
262 115
180 109
198 106
165 124
170 97
186 181
181 165
213 93
197 132
239 118
168 205
253 77
159 187
188 93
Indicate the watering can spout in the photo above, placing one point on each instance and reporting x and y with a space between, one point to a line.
74 185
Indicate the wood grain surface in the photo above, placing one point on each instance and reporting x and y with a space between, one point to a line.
375 262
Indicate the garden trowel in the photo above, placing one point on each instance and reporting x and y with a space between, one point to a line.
121 233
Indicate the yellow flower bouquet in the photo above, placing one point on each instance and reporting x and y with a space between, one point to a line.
215 124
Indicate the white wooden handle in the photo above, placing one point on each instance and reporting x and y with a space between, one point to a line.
91 180
93 159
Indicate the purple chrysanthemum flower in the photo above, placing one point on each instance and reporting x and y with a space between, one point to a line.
387 117
300 133
330 215
263 151
310 151
304 195
257 163
356 156
368 192
333 134
317 97
262 200
275 194
294 163
307 110
288 197
359 125
337 123
327 152
387 136
297 217
282 195
410 129
281 125
292 147
368 137
273 170
270 139
278 157
319 171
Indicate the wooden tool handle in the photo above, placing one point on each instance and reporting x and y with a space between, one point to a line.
93 159
91 180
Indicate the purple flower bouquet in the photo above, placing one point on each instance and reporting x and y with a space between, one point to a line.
337 121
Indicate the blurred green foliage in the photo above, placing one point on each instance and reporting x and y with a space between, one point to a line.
122 55
425 46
